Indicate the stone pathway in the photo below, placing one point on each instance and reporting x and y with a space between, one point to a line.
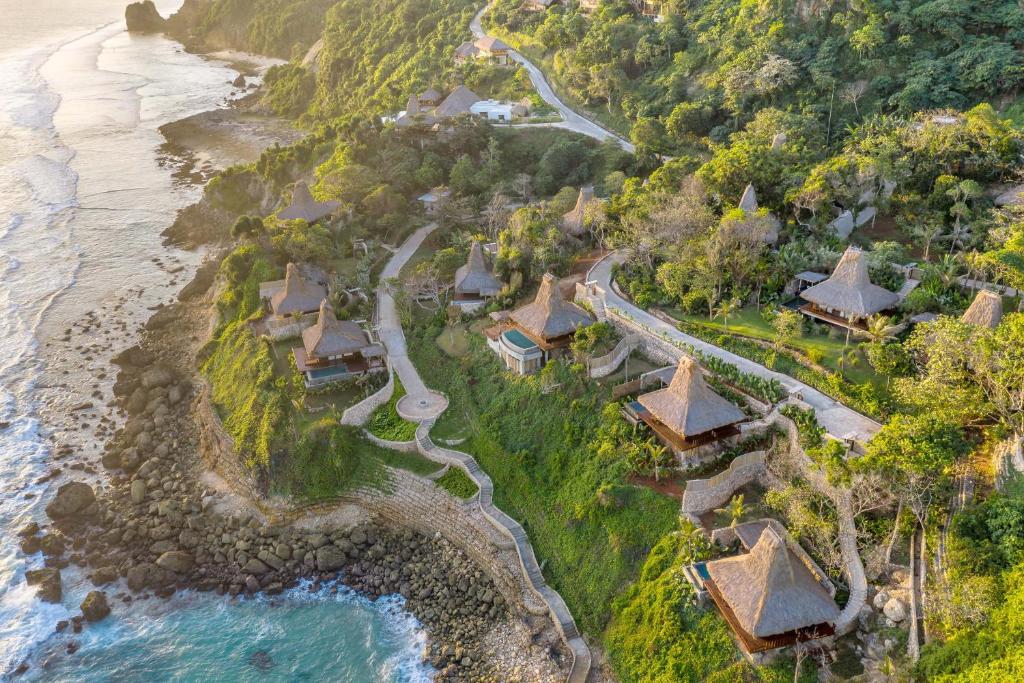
423 405
839 420
419 402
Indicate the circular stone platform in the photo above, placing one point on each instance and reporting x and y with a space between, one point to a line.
419 408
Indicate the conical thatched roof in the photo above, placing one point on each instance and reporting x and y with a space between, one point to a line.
430 95
458 102
748 202
849 290
770 591
492 44
572 221
688 406
475 277
467 50
332 337
412 107
985 311
550 315
305 207
298 295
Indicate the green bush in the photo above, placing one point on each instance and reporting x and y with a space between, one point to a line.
458 483
387 424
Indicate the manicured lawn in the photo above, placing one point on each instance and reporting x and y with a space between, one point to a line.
749 323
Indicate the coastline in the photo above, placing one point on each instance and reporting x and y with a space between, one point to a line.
119 534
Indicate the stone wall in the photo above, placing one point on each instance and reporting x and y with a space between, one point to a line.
402 446
607 364
360 413
286 328
408 501
702 495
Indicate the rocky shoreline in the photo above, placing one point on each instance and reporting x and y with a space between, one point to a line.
157 528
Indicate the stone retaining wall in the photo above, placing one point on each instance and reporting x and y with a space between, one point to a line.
403 446
608 363
409 501
360 413
702 495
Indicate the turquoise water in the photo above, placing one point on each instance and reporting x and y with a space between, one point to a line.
296 636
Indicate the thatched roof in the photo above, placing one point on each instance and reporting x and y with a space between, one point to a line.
332 337
491 44
849 290
770 591
429 95
467 50
412 107
475 277
572 221
305 207
985 311
688 406
748 202
458 102
298 295
550 316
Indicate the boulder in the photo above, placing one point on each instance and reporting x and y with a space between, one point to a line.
329 558
138 491
71 499
255 566
142 17
48 580
895 610
95 607
104 575
239 82
176 561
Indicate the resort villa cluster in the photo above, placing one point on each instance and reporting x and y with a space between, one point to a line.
431 110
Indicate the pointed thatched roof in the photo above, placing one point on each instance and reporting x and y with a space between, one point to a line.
748 202
985 311
475 277
298 295
467 50
430 95
550 316
849 290
572 221
492 44
412 107
458 102
332 337
770 591
688 406
305 207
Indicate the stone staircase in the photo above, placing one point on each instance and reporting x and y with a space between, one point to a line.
512 529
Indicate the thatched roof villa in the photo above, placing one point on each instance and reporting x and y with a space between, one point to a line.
539 331
305 207
335 349
773 595
299 294
573 221
985 311
687 413
458 102
848 296
475 281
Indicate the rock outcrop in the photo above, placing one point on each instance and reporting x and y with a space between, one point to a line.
142 17
95 607
73 498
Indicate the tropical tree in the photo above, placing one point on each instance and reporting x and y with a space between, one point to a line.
735 509
727 308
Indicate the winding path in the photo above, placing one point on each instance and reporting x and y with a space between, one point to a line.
571 120
423 405
839 420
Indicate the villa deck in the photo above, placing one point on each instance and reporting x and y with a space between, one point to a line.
635 412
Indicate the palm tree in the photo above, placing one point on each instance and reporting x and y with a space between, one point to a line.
727 308
656 452
735 509
879 328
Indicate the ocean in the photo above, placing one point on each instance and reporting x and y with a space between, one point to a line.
85 192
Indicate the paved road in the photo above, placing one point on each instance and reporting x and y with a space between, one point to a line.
839 420
571 120
419 403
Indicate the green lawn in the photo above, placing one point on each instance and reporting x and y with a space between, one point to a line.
749 323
